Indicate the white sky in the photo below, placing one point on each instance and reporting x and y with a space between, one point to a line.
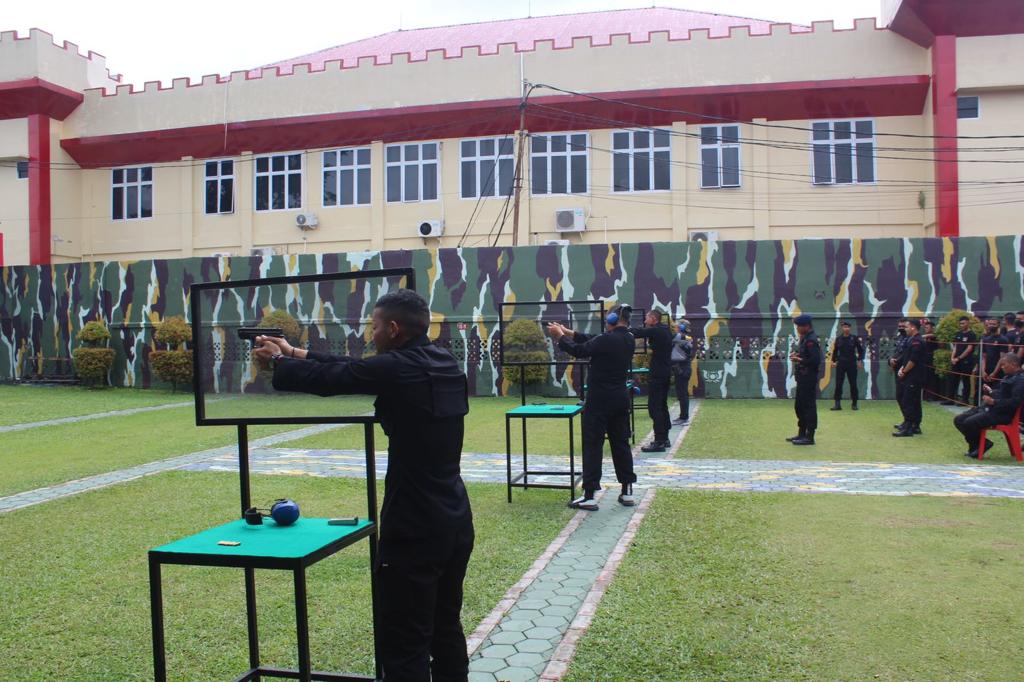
165 40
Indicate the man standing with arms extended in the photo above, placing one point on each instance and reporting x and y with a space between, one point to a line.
910 376
426 524
999 405
847 357
606 410
660 338
806 359
682 368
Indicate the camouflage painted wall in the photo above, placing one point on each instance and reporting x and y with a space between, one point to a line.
739 295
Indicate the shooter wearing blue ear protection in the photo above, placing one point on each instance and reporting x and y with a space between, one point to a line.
606 410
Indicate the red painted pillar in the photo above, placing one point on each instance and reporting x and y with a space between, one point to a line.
947 199
39 234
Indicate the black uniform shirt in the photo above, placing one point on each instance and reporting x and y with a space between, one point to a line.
993 345
1008 395
847 350
965 342
610 356
422 398
913 351
660 337
809 351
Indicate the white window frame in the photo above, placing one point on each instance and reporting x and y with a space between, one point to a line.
219 177
631 151
968 118
719 146
137 186
569 153
496 157
337 168
420 163
853 140
270 173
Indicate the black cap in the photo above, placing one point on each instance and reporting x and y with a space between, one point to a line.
801 320
844 323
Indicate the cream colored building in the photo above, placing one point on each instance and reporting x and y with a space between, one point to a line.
641 125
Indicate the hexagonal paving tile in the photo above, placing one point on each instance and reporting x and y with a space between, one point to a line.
537 646
551 621
514 625
569 600
507 637
526 614
541 633
518 675
498 651
526 660
481 677
487 665
532 604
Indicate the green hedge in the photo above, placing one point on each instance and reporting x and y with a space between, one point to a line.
92 364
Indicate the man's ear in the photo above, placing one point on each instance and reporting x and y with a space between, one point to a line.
393 329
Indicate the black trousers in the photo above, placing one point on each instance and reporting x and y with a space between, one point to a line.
846 372
971 423
420 599
600 421
682 372
910 399
961 379
806 404
657 406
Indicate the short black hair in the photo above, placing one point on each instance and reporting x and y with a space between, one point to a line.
1012 358
1009 316
844 323
408 309
914 323
992 318
964 318
904 319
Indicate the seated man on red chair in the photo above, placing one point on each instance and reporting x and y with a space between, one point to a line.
1000 404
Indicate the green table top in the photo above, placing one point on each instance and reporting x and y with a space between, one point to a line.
302 538
545 411
640 370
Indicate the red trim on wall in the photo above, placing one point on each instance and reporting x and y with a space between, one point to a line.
923 20
947 196
39 240
888 96
19 99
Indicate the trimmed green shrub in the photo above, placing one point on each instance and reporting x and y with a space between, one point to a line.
288 324
524 341
92 360
172 366
93 334
946 330
174 332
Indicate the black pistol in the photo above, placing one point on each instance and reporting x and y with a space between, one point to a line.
250 333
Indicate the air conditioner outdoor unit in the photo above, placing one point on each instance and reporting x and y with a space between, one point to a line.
556 242
570 220
706 236
223 254
306 221
431 228
265 251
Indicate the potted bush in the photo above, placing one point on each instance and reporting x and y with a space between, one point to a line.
175 364
93 359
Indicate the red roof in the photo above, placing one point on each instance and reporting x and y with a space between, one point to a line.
599 26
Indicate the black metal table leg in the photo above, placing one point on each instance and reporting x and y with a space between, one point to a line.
156 612
526 466
572 464
302 626
371 499
250 618
508 456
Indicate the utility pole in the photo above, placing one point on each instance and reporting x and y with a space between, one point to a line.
518 180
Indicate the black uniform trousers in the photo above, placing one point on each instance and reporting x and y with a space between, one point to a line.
806 403
682 370
960 376
419 592
657 407
846 371
909 391
971 423
598 421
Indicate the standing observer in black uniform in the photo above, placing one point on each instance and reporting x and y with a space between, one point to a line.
962 362
806 360
606 410
682 368
894 362
909 377
993 345
847 357
426 524
660 338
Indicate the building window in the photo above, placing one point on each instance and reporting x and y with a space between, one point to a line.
347 177
220 186
411 172
278 182
967 107
844 152
558 164
719 156
21 168
640 161
131 193
488 167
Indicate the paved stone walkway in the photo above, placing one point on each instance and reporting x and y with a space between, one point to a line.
39 495
89 417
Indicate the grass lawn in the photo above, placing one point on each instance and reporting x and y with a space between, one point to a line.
757 429
53 454
76 594
485 431
729 586
24 404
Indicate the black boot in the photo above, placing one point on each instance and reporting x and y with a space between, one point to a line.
915 429
854 407
796 437
906 432
837 407
808 439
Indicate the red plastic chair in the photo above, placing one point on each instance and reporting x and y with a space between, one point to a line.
1012 433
